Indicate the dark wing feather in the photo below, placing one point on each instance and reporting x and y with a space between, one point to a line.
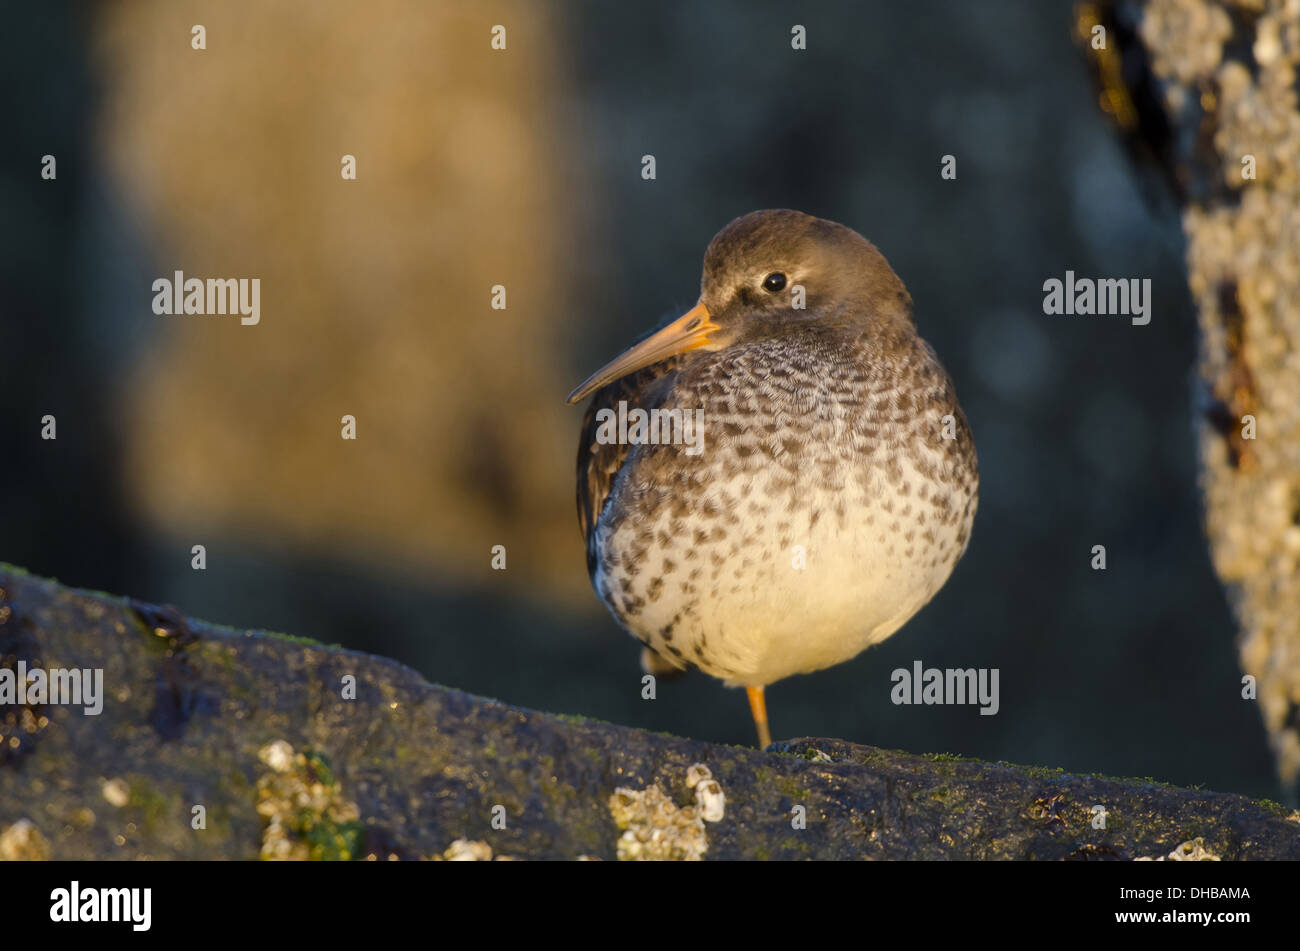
599 464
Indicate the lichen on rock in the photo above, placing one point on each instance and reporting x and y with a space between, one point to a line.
307 816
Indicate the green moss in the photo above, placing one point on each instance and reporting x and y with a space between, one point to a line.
1137 781
318 767
221 655
947 758
576 720
154 807
795 754
332 832
790 786
296 639
765 777
72 594
1276 808
797 843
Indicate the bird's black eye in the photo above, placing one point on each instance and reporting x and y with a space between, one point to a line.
774 283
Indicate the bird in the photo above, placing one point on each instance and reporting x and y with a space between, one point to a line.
830 486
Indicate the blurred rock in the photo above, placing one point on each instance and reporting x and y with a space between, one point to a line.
375 293
1221 74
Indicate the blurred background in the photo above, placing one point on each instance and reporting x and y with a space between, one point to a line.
522 167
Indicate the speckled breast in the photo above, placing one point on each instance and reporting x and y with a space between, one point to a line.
832 495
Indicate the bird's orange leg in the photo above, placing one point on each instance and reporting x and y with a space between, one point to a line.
758 707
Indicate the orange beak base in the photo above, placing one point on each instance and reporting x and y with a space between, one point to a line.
688 332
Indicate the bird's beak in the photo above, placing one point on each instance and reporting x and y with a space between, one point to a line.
688 332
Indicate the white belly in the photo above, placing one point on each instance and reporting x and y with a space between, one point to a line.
809 583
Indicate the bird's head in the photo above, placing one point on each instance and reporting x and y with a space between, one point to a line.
765 274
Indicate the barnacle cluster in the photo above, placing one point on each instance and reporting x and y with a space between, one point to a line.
656 828
1193 850
23 842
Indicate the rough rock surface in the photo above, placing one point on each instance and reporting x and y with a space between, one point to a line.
255 728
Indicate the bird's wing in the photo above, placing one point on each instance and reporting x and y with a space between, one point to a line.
599 463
